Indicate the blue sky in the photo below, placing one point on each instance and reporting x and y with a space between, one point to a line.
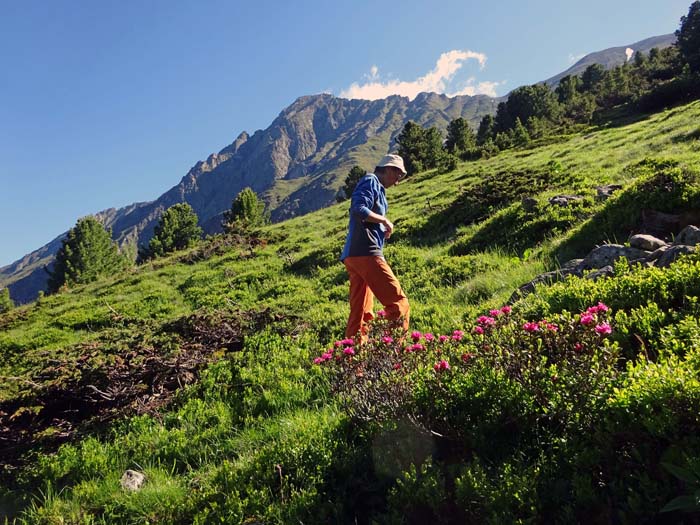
107 103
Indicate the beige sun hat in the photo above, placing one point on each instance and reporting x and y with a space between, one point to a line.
392 160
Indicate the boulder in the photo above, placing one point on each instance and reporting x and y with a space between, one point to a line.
545 278
573 263
607 254
606 191
605 271
132 480
690 236
672 254
653 256
564 200
646 242
529 204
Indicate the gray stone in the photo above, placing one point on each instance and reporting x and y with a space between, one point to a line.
606 191
607 254
132 480
646 242
573 263
605 271
653 256
544 278
564 200
529 204
690 235
672 254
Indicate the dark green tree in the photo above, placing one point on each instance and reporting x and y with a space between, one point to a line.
177 229
592 77
503 120
247 212
87 253
434 150
640 59
354 175
6 303
567 91
688 37
460 137
520 135
412 147
532 101
487 128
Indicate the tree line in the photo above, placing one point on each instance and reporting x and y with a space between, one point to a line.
648 82
88 252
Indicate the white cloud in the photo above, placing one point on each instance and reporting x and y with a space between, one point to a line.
438 80
628 53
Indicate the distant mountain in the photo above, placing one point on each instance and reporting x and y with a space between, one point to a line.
614 56
298 164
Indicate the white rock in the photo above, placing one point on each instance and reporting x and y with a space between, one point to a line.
132 480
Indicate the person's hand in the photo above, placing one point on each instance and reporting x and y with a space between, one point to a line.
388 228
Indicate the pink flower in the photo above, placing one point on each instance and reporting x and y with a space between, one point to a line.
417 347
429 337
478 330
348 342
443 338
485 320
349 351
327 355
458 333
587 319
578 347
387 339
396 366
442 365
467 357
318 360
602 307
603 329
416 335
381 313
338 344
552 327
495 313
506 309
531 326
457 337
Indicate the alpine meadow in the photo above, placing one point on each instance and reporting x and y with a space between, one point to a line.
551 373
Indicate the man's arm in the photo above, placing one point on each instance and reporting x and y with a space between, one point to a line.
362 202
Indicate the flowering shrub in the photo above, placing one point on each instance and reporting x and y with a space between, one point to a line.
559 365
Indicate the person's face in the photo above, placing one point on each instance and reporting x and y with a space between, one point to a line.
394 175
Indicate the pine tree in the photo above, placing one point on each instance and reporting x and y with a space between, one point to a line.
486 131
354 175
520 135
87 253
460 137
412 147
177 229
434 151
247 211
6 303
688 37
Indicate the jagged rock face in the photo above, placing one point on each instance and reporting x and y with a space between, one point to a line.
297 165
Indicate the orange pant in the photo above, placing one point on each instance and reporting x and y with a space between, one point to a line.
370 276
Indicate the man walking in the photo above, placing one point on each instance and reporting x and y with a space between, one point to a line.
362 255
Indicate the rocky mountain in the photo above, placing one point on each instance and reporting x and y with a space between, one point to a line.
297 165
614 56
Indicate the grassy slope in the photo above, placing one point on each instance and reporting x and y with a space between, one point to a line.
220 430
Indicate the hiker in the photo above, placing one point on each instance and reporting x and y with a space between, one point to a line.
369 273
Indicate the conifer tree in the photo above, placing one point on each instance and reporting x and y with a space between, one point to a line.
247 211
460 137
520 135
412 147
6 303
688 37
177 229
354 175
486 131
87 253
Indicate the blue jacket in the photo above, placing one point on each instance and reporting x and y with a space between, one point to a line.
365 238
